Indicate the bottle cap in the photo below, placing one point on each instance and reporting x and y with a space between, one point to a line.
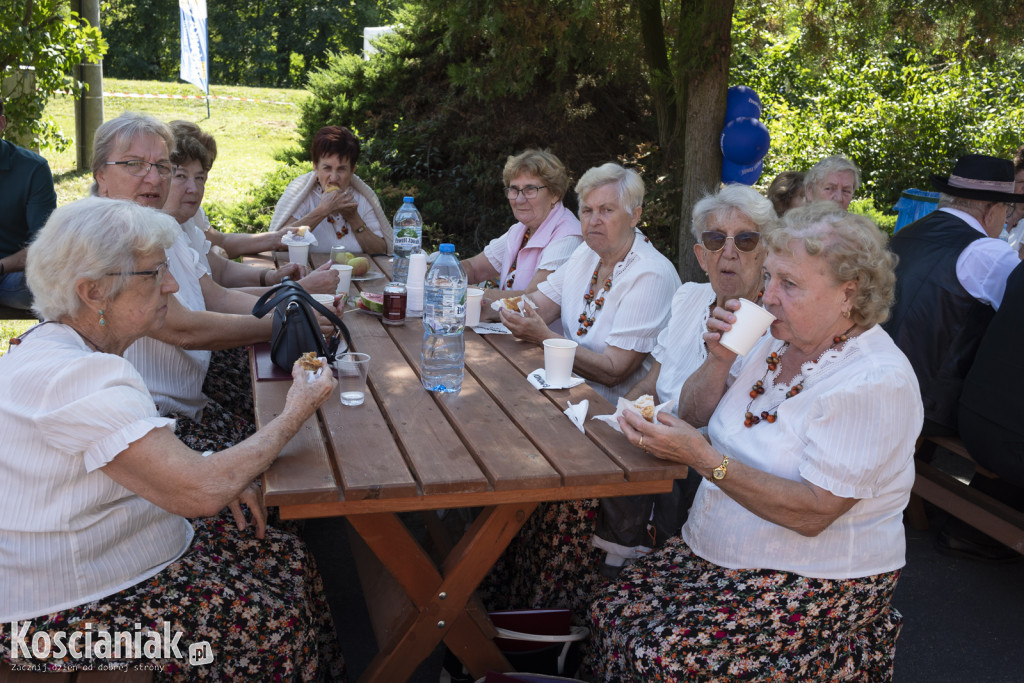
447 248
408 200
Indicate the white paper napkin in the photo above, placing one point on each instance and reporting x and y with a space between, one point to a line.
578 413
539 379
293 239
491 328
626 404
497 305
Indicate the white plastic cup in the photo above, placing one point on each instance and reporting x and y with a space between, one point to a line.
752 322
352 369
344 277
299 254
558 358
414 300
417 270
474 300
325 300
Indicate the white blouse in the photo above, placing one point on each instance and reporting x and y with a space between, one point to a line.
325 234
681 348
850 431
635 309
69 534
195 230
175 375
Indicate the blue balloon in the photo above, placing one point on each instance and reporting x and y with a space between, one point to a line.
744 175
742 101
745 141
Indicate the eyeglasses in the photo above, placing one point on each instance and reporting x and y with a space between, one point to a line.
156 274
530 191
1010 206
140 169
715 241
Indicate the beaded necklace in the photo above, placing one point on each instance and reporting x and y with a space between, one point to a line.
338 232
773 361
592 305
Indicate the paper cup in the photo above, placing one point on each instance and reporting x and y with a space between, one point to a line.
417 268
751 323
325 300
344 277
298 253
474 300
558 358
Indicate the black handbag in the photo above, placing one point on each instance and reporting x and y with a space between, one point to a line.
296 330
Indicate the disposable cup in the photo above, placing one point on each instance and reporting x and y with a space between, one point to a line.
325 299
751 323
298 253
474 300
417 269
352 369
344 277
558 358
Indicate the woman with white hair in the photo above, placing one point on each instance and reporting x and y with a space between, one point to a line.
834 179
97 490
613 294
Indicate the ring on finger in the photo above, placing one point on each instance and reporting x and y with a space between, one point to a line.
640 443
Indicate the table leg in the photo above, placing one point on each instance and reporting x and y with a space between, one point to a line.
440 598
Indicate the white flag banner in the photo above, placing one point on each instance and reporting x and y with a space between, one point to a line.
194 55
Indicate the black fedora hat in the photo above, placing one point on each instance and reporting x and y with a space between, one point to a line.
981 177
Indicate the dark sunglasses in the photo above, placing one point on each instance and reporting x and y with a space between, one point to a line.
715 241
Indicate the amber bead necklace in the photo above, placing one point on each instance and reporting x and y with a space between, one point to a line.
773 361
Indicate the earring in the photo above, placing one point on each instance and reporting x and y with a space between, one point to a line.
102 319
846 314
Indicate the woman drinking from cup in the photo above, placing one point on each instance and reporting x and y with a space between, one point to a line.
786 566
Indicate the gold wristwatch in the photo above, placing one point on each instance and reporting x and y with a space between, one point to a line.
719 472
361 228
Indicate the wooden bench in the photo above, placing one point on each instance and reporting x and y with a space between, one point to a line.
990 516
8 675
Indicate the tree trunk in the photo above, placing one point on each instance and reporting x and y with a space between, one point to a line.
706 69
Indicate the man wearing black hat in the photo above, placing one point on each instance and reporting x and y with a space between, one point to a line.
950 280
26 200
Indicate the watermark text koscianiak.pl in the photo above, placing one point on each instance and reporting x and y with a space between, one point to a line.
87 643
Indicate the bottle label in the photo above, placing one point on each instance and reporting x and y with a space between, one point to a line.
405 240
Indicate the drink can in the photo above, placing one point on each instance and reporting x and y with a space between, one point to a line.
395 296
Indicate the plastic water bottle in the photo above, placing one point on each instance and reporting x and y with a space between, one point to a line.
442 360
408 226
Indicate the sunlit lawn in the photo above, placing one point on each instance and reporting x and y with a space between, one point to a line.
250 135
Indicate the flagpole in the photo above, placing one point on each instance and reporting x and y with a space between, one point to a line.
207 81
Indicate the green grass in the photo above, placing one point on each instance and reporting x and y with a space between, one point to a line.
249 135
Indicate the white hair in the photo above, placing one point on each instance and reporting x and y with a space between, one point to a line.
631 187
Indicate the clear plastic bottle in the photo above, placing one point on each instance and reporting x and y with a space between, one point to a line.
408 227
442 359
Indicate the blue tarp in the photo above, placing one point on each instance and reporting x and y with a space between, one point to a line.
914 204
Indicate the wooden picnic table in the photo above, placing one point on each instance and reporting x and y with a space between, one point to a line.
499 445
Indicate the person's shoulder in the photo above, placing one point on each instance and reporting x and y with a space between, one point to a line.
881 358
21 157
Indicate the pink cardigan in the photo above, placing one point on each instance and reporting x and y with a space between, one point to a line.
560 223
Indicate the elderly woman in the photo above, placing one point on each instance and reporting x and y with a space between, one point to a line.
212 401
835 179
332 200
613 294
544 237
786 566
728 229
193 155
787 191
113 551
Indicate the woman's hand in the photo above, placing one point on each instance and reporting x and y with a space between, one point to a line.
333 202
528 327
721 321
350 207
323 280
304 397
670 439
253 499
292 270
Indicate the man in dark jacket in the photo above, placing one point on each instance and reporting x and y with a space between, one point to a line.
26 200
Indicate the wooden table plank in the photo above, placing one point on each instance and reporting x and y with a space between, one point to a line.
572 454
505 455
638 467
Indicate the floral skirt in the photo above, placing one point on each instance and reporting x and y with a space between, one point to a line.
676 617
551 563
228 416
259 604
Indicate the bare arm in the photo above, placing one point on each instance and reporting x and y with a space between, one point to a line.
211 330
237 244
491 295
166 472
705 387
799 506
647 385
15 261
479 269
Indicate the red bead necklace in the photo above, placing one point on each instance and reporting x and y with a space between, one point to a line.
773 361
591 305
338 232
